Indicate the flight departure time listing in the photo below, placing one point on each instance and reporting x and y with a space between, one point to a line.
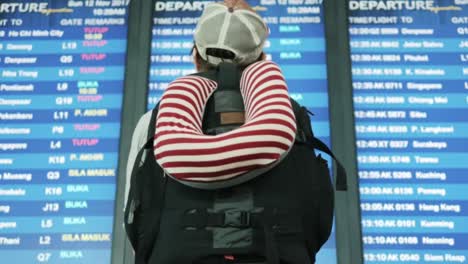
61 85
296 43
410 81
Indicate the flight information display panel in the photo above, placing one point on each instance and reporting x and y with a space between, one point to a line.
410 80
61 84
296 43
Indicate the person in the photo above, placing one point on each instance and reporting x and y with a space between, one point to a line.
244 39
282 216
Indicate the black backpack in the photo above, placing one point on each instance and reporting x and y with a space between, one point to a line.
265 220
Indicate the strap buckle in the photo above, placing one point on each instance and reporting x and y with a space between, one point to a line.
239 219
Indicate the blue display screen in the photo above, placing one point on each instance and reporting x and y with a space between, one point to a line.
296 43
410 80
61 86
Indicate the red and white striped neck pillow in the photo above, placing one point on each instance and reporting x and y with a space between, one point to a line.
209 162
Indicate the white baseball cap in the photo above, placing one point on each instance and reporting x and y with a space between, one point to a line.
230 34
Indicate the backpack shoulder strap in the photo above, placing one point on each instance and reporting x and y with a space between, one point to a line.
306 136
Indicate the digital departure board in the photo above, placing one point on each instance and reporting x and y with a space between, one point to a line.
296 43
61 85
410 80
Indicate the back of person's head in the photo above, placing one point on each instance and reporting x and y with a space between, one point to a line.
231 32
